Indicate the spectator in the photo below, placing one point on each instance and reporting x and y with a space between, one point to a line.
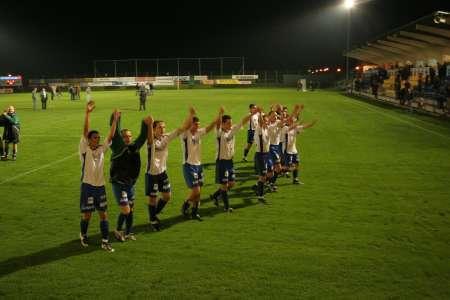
406 94
397 86
52 92
420 84
44 98
88 94
11 132
34 97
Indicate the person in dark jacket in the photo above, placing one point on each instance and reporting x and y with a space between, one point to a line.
124 171
11 133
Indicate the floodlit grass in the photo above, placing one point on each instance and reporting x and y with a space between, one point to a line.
371 221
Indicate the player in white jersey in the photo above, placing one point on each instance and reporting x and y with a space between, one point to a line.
93 195
156 178
262 145
224 157
251 129
276 123
291 156
274 131
192 167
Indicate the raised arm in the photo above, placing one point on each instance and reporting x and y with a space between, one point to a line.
310 124
247 118
298 108
89 108
142 137
187 122
113 126
149 122
213 123
219 119
261 122
117 142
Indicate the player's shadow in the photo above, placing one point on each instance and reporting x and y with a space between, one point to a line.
73 248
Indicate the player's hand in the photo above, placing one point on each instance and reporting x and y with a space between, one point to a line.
148 120
192 110
221 110
116 114
90 106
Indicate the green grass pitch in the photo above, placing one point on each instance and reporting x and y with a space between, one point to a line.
371 221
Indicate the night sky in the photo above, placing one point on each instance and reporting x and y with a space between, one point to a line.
47 40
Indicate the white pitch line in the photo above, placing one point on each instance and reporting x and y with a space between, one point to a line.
49 135
401 120
38 169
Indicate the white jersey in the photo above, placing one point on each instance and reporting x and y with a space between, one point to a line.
274 132
254 122
191 146
225 142
92 163
290 139
158 152
262 140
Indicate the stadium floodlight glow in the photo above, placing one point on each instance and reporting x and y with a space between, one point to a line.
339 69
348 4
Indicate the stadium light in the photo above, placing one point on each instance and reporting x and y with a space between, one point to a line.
348 4
339 69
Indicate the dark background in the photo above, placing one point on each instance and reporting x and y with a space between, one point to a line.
55 39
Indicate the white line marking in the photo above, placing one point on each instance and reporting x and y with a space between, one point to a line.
400 120
49 135
38 169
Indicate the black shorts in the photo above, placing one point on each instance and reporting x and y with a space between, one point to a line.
156 183
250 136
224 171
261 163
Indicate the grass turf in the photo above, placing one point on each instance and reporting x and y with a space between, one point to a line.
371 221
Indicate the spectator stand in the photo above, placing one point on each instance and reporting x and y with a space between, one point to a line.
409 66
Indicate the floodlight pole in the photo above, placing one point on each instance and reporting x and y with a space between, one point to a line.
178 72
157 67
95 69
349 16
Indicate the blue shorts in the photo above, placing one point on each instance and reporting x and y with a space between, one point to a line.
92 198
261 163
156 183
292 159
193 175
275 152
123 193
224 171
250 136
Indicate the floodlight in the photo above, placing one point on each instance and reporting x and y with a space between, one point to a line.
348 4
